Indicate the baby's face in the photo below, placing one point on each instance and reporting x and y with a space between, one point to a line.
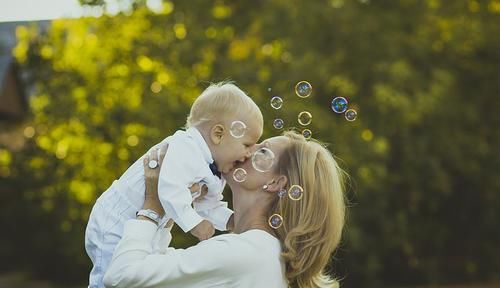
233 150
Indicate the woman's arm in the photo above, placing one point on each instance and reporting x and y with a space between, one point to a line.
208 263
151 178
135 265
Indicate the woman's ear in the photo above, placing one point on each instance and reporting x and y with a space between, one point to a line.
277 184
217 133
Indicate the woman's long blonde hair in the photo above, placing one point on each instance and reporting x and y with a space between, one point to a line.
312 226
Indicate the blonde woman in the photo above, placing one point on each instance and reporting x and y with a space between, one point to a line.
287 223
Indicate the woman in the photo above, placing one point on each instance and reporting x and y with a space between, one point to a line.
287 223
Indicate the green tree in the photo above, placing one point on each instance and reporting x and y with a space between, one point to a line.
422 74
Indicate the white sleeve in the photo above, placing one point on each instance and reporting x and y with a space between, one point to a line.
213 209
179 170
219 215
161 240
134 265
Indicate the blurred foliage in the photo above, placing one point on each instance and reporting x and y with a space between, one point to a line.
423 76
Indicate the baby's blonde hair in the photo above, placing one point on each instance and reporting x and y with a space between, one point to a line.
312 226
221 101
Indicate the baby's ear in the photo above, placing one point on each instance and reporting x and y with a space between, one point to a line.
217 133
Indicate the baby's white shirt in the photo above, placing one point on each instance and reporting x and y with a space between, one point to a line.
186 162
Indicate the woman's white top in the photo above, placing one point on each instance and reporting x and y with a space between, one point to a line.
249 259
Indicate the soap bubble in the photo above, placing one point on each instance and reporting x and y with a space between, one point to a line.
263 159
307 134
275 221
239 175
276 102
303 89
295 192
339 105
351 114
278 123
304 118
269 89
237 129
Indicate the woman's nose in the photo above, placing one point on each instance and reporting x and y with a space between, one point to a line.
252 150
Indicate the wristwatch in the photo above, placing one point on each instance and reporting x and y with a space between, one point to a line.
148 213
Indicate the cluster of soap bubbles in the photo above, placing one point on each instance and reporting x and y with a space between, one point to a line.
277 103
340 106
237 130
263 158
303 89
262 161
295 193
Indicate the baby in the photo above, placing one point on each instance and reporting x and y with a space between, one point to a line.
223 125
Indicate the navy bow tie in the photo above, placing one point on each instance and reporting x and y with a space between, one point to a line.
215 170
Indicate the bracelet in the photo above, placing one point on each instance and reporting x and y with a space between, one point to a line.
150 214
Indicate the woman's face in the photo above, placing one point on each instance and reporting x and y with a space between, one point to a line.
255 179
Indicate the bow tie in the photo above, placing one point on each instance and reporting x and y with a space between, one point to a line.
214 169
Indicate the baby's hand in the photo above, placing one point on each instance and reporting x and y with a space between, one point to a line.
202 191
203 231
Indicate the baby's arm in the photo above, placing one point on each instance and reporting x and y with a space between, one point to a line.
219 216
204 230
212 208
179 169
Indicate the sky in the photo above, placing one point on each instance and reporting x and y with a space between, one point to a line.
28 10
31 10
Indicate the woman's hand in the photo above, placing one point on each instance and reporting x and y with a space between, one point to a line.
152 175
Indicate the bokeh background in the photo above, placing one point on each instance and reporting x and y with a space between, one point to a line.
86 97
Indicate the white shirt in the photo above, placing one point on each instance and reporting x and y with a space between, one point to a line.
249 259
186 162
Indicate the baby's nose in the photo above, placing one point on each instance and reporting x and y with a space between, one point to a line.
249 153
244 158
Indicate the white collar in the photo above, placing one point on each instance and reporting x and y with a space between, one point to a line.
202 144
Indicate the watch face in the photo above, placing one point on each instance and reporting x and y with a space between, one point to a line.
153 215
149 214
